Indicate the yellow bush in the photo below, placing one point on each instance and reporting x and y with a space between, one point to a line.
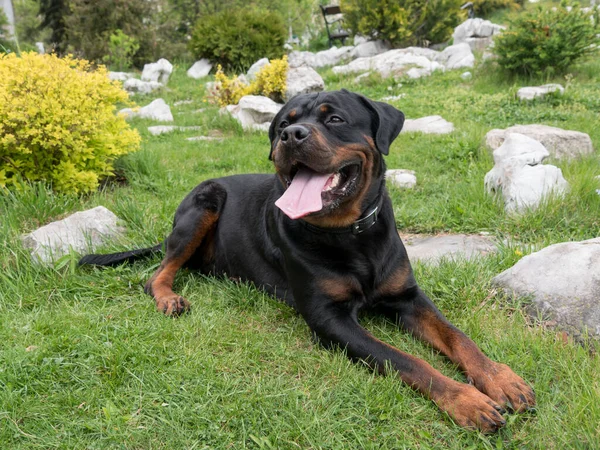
58 122
270 81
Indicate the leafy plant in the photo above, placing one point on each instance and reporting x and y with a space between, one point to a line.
121 49
270 81
548 41
58 122
236 39
404 22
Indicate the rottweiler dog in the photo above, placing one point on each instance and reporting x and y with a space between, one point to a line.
320 234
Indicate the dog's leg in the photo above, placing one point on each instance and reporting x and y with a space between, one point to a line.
335 325
196 217
416 313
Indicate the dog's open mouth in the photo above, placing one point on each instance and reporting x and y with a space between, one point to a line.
309 191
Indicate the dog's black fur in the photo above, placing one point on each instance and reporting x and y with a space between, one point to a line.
332 263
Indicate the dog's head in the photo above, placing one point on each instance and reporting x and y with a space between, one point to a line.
327 150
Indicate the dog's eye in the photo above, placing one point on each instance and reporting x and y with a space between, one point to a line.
335 119
283 124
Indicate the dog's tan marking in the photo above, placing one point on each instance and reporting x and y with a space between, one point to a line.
396 283
340 289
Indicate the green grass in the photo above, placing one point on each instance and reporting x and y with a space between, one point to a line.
86 362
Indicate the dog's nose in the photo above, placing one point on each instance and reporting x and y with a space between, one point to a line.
294 134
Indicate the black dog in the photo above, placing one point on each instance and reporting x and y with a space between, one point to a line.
321 235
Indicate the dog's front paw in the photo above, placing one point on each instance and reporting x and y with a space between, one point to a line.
472 409
505 387
173 305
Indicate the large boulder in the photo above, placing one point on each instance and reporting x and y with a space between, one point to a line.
563 281
477 33
520 176
324 58
80 232
560 143
456 56
428 125
159 71
255 68
254 112
393 62
156 110
531 92
302 80
369 48
200 69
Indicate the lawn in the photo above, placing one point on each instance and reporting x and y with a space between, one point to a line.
86 361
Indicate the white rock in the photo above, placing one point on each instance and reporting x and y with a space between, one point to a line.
204 138
159 71
477 33
119 76
393 62
563 281
162 129
320 59
456 56
466 75
133 85
415 73
402 178
560 143
369 48
358 39
40 48
392 98
157 110
200 69
255 68
432 249
254 112
302 80
82 231
519 175
428 125
359 78
531 92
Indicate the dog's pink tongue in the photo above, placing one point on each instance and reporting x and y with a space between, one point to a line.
303 196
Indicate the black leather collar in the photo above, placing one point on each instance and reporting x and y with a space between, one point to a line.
363 224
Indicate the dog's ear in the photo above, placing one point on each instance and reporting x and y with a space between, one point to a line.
273 134
387 123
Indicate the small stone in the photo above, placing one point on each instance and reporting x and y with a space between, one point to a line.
159 71
200 69
428 125
162 129
466 75
531 92
402 178
432 249
133 85
81 231
204 138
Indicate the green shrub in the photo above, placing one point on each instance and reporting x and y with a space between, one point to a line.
484 8
403 22
58 122
547 41
121 49
236 39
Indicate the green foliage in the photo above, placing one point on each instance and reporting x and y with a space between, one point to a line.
485 7
238 38
547 41
121 49
58 122
90 25
404 22
5 44
28 22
